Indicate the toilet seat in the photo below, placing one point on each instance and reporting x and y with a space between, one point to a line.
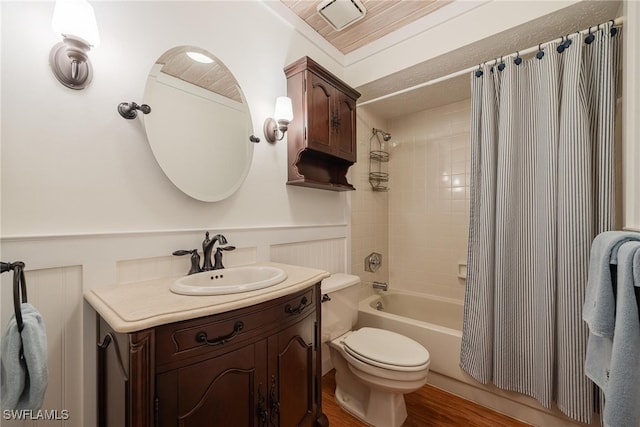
386 349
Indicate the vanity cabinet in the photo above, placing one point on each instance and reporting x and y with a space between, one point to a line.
255 366
322 136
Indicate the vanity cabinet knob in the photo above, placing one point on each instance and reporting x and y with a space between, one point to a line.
290 310
201 336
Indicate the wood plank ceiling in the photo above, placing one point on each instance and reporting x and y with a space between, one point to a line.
382 18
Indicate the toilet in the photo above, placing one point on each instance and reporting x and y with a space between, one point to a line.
374 367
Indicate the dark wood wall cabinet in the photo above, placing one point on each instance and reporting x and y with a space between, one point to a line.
322 136
256 366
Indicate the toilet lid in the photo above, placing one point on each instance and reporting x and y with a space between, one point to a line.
386 349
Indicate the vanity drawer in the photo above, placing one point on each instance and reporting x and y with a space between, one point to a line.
217 334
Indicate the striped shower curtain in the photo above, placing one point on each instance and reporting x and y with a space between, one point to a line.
542 187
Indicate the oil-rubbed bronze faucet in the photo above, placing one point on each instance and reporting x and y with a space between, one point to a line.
207 248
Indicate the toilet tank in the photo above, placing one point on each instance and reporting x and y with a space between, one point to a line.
340 312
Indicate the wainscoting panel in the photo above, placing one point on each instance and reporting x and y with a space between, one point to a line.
326 254
57 294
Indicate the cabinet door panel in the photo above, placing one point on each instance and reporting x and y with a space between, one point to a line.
222 391
346 135
296 370
320 113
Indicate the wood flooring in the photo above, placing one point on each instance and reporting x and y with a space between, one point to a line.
427 407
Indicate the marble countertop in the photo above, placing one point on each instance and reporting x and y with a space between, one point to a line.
133 307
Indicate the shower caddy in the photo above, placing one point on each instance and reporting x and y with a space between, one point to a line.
378 156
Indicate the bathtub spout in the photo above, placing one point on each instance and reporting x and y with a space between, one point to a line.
380 285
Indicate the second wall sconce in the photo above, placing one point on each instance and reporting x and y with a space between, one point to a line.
275 127
75 21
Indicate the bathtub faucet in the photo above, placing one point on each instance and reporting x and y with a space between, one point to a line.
379 285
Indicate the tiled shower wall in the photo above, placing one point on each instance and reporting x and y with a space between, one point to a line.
429 200
369 209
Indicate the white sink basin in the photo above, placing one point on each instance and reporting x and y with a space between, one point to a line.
229 280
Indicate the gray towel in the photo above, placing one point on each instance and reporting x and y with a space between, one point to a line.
23 380
599 304
612 360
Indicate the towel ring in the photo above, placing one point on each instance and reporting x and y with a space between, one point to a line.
19 288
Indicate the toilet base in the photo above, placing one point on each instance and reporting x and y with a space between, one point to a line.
374 407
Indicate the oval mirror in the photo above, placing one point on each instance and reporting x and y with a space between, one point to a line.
199 126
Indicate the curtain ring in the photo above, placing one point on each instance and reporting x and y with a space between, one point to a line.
613 31
561 46
590 38
567 42
540 53
479 72
502 64
494 64
518 60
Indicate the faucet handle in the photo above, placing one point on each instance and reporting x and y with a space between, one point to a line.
195 259
217 257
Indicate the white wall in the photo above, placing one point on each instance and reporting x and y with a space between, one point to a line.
71 164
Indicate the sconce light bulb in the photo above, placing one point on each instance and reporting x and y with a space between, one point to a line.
284 109
76 18
276 127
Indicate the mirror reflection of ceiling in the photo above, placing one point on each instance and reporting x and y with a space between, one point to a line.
382 17
212 76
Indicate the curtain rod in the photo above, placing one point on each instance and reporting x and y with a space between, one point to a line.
617 21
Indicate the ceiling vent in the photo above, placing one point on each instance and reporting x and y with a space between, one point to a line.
341 13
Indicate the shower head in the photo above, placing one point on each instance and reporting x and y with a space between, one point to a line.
385 135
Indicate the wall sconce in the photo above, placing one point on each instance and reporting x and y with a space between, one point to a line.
76 22
276 127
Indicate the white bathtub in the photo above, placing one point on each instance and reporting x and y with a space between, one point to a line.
434 322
